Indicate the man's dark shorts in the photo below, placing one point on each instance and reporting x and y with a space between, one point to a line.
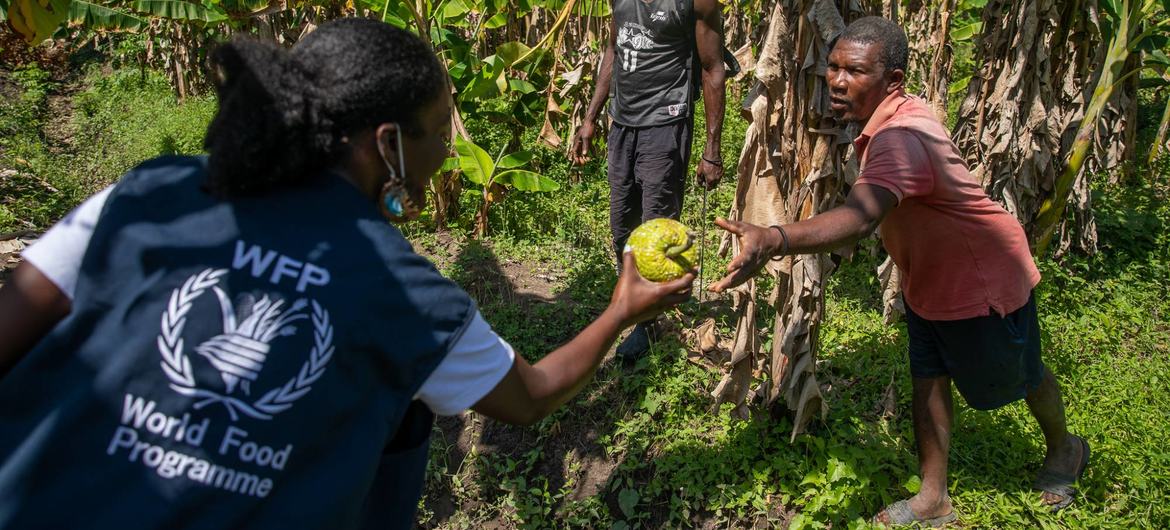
647 175
993 360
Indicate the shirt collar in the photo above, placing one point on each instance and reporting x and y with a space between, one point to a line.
886 110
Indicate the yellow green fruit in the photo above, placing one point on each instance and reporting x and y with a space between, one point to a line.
663 249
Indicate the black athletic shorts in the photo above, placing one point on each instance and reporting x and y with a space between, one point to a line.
993 360
647 175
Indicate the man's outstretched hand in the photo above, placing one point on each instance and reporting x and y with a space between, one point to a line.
757 245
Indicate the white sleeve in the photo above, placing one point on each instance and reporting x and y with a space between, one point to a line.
477 362
57 254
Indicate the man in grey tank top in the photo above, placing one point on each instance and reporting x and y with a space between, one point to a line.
660 52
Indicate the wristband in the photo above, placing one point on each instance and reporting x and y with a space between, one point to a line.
712 162
783 244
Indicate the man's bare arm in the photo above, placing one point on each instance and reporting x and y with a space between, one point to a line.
583 138
842 226
709 41
604 77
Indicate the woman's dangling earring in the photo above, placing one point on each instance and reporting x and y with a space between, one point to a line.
391 191
394 200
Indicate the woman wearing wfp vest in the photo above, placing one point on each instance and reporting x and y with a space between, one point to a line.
242 340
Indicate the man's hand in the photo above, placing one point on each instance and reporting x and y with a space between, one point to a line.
757 245
582 144
708 174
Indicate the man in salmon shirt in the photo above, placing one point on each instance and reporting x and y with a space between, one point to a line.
967 271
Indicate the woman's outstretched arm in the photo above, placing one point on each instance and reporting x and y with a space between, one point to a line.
529 392
30 305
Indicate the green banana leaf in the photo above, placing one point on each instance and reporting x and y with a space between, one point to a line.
514 160
35 22
475 162
525 180
97 16
180 10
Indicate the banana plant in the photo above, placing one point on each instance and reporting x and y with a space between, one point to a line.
484 171
1131 26
35 20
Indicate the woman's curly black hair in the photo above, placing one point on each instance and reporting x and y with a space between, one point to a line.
283 113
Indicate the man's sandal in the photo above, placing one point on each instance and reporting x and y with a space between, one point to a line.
1061 484
900 514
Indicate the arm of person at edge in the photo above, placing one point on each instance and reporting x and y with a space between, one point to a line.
709 41
583 138
842 226
30 305
528 393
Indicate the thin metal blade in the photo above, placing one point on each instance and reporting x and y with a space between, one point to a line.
702 245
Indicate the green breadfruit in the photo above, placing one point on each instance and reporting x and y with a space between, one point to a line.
663 249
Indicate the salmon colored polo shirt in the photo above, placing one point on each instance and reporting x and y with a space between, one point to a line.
961 254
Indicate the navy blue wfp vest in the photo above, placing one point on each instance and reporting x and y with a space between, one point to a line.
245 363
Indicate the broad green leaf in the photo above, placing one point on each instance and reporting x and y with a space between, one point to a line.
243 7
493 70
474 161
3 10
594 8
457 70
479 88
1153 43
522 86
498 20
913 484
95 16
450 164
510 51
524 180
35 22
963 33
1157 57
517 159
394 21
393 13
180 10
455 9
959 85
627 501
493 66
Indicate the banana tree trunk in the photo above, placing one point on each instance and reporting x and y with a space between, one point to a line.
1112 69
792 167
927 25
1020 119
1163 125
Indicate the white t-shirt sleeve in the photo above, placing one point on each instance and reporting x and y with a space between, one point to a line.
477 362
57 254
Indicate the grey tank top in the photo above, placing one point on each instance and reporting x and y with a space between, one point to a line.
654 62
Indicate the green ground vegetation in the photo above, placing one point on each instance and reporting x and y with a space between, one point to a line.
642 447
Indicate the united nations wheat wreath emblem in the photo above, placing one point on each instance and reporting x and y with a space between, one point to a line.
240 351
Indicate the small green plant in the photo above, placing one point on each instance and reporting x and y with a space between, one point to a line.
481 169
